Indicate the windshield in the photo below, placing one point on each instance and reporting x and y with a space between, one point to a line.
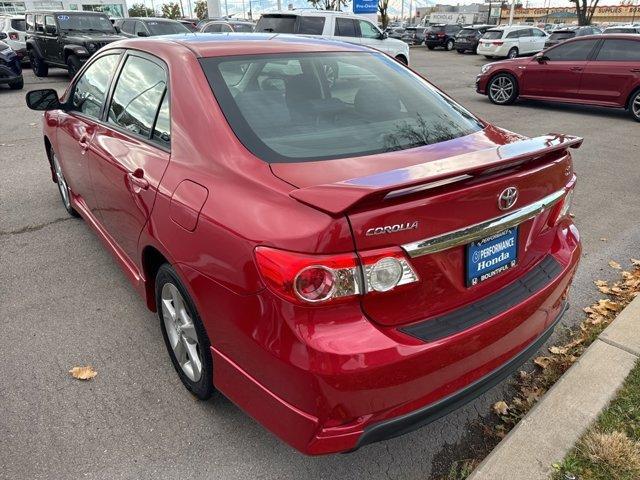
492 34
242 27
97 23
562 35
19 24
319 106
166 28
620 30
276 23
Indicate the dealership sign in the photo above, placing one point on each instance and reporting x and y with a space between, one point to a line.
451 18
365 6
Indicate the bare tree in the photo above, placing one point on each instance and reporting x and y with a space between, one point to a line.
383 5
328 4
585 10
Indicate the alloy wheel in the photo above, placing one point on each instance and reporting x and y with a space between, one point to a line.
501 89
181 332
62 183
513 53
635 106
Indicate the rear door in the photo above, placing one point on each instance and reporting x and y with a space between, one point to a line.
613 73
539 38
132 149
561 74
347 30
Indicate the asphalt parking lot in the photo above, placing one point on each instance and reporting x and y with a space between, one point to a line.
66 303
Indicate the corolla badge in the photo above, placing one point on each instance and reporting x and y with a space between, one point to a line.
399 227
507 198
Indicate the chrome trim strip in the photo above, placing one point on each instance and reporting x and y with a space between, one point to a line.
481 230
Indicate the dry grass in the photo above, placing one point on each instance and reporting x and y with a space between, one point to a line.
613 451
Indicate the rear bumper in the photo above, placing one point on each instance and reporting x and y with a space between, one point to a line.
466 45
330 380
435 43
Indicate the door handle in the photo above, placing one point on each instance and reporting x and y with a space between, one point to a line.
83 142
137 178
576 69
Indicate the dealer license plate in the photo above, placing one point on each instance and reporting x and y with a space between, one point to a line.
491 256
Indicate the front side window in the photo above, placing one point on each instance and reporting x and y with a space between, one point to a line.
537 33
137 96
619 51
572 51
311 25
319 106
90 90
49 23
345 27
367 30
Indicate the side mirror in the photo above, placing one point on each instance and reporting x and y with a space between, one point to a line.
50 29
540 58
3 35
384 35
143 34
46 99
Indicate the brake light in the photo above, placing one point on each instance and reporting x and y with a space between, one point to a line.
441 34
562 209
13 36
322 279
498 43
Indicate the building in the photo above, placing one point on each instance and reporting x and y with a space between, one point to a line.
602 14
464 14
113 8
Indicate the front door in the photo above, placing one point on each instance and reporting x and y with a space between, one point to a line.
78 123
132 147
559 75
372 37
613 72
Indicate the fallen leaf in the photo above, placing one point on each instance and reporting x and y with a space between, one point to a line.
558 350
635 262
603 239
83 373
542 362
601 283
614 264
500 408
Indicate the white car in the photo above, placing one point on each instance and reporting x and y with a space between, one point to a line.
334 25
512 41
13 26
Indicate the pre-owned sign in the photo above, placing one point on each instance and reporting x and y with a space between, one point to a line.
365 6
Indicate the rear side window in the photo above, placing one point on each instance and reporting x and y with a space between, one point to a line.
572 51
213 28
493 34
537 33
19 25
90 90
276 23
345 27
465 32
311 25
619 51
39 23
137 96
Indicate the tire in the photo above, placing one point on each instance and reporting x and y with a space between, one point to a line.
449 45
634 106
430 47
38 65
460 50
402 60
73 65
184 334
513 53
17 85
502 89
63 188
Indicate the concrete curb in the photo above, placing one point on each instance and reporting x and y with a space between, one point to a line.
557 421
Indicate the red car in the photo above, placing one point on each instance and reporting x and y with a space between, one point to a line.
346 260
592 70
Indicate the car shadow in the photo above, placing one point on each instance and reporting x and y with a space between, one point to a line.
574 108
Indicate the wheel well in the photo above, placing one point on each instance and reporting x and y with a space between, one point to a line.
152 260
402 59
504 72
633 92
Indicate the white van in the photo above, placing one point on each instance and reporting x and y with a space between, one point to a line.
334 25
512 41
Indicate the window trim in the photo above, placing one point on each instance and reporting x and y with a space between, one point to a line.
592 55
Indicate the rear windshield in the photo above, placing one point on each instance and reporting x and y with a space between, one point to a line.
78 21
465 32
166 28
242 27
276 23
562 35
320 106
19 24
492 34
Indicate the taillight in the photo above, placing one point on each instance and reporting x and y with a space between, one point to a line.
13 36
441 34
562 209
498 43
321 279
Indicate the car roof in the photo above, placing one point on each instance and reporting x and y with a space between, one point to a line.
313 12
512 27
66 12
150 19
226 44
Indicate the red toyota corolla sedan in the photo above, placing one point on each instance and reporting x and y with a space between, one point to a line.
329 240
602 70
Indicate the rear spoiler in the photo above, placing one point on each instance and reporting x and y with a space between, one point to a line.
337 198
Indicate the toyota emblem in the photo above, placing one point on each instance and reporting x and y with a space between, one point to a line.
508 198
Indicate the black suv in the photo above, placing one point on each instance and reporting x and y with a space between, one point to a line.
469 37
66 39
441 36
562 34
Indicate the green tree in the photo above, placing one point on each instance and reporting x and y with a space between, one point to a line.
383 5
171 10
201 9
585 10
139 10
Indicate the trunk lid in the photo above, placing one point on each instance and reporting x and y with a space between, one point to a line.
406 197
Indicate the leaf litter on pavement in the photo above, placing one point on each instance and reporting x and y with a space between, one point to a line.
83 373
